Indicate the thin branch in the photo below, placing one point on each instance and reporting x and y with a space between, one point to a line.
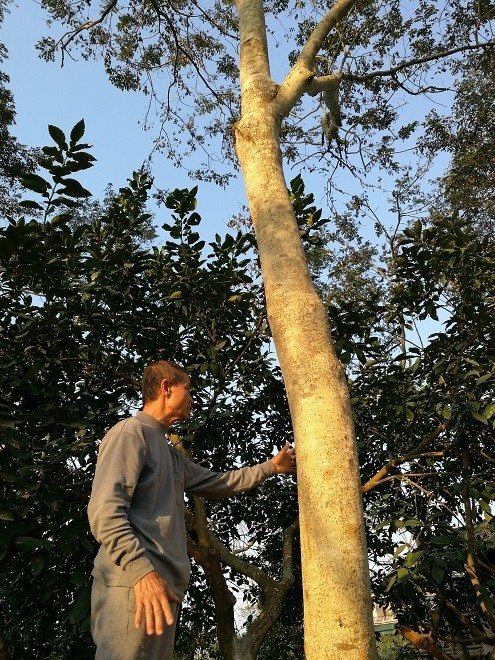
391 465
245 548
208 18
66 39
414 62
486 567
249 341
476 632
182 50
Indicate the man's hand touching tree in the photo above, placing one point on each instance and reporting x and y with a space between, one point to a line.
285 460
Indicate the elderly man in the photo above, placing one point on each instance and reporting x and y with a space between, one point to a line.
136 513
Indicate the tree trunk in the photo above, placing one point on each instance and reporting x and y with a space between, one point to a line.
337 601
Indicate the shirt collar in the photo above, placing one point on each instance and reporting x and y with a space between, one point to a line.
151 421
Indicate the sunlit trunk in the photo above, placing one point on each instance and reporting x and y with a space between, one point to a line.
337 602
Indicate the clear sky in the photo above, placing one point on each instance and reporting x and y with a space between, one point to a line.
46 94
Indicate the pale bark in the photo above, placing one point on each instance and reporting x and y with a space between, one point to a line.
425 643
337 601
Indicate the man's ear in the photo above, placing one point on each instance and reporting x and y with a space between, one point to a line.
165 388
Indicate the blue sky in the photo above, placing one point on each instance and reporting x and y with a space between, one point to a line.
47 94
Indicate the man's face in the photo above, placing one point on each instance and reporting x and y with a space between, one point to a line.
179 402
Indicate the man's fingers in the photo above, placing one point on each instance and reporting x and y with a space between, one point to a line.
156 622
155 605
167 611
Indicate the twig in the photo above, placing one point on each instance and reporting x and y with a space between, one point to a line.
419 60
386 469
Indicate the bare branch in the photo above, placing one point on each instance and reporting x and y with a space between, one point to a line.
308 54
414 62
65 40
301 76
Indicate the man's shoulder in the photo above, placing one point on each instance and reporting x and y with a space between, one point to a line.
140 429
129 425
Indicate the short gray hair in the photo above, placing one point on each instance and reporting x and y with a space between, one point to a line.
155 372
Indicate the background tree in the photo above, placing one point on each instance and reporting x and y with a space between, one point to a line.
14 157
83 310
426 415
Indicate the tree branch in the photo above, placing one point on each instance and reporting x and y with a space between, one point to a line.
66 39
179 48
301 76
237 564
416 453
414 62
313 45
209 552
425 643
476 632
288 552
223 597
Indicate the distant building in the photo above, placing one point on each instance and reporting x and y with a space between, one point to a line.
383 619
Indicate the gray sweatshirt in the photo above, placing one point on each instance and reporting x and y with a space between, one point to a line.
136 510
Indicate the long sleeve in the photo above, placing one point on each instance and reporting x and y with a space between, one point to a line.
216 485
120 461
136 510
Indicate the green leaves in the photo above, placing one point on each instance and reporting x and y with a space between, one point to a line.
36 183
58 136
86 306
61 162
424 415
76 133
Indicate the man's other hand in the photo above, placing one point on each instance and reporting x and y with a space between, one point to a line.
153 598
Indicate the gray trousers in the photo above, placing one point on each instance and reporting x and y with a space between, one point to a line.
112 627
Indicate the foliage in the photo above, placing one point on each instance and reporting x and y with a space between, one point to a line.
467 135
14 157
387 54
425 424
285 642
82 312
393 647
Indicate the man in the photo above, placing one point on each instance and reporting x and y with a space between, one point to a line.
136 512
